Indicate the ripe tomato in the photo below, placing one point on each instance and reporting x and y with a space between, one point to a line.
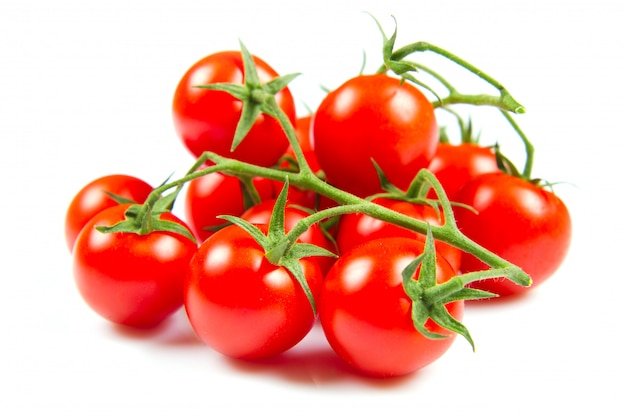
131 279
262 213
517 220
242 305
455 165
93 198
206 120
366 314
357 228
218 194
379 117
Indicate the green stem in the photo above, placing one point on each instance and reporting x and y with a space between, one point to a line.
290 131
448 233
505 101
530 149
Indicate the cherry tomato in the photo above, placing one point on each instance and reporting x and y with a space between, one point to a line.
218 194
206 119
366 314
93 198
379 117
517 220
262 213
357 228
455 165
127 278
242 305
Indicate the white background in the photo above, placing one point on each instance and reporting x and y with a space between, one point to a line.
85 91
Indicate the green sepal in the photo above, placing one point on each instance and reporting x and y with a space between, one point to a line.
119 199
440 315
420 315
251 229
384 182
159 225
149 223
293 265
249 113
277 84
466 294
303 250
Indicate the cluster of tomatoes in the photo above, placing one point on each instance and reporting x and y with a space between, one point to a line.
243 304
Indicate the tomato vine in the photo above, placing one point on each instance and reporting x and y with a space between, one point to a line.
429 298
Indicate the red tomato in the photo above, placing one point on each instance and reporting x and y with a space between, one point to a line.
262 213
131 279
206 120
379 117
93 198
217 194
242 305
366 314
357 228
455 165
517 220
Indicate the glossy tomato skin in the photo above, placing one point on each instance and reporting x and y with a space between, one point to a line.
130 279
357 228
366 314
379 117
206 120
93 198
456 165
240 304
261 214
218 194
519 221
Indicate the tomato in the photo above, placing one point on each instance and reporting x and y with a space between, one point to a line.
262 213
379 117
366 314
357 228
455 165
242 305
93 198
130 279
206 120
517 220
218 194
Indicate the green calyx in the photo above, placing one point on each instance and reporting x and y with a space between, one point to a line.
281 248
143 219
429 298
256 97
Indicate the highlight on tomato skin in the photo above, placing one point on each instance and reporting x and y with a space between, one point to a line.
366 314
518 220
